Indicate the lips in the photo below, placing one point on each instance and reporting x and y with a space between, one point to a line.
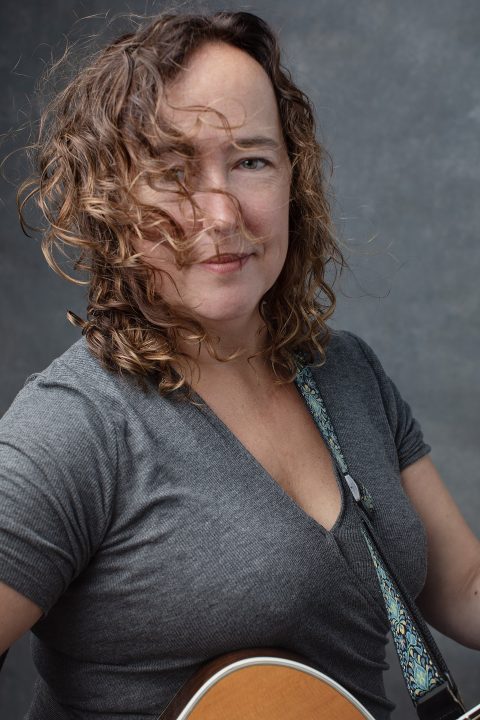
226 264
219 259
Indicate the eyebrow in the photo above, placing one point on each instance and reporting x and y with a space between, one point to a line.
243 143
255 141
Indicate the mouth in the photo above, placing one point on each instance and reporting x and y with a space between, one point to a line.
222 264
225 258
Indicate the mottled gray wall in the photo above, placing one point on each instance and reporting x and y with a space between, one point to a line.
397 93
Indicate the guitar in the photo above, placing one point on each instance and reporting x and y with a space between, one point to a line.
266 684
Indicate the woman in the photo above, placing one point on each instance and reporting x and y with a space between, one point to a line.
166 494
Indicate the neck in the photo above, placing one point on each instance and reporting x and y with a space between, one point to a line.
238 337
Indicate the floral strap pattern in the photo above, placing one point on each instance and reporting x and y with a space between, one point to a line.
311 394
419 669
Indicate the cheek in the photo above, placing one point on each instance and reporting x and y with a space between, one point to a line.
153 253
158 256
169 202
267 212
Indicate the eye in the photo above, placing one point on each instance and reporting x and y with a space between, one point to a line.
254 163
175 174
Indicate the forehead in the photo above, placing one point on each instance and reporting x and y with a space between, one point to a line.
225 79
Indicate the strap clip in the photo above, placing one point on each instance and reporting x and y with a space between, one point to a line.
353 487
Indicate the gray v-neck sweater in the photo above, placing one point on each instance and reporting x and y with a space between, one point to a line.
154 541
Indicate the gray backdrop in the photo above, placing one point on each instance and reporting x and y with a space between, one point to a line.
397 95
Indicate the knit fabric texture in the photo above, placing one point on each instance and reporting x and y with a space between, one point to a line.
154 541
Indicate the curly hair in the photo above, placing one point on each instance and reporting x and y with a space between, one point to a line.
103 131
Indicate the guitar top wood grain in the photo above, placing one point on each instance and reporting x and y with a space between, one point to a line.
273 693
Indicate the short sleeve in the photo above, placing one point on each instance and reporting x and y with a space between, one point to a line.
405 428
57 468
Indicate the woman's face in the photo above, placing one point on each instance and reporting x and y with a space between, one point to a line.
257 172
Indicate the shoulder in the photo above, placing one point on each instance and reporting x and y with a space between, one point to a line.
354 377
68 409
78 378
77 368
347 352
61 408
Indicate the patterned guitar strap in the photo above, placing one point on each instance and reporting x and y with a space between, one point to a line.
429 682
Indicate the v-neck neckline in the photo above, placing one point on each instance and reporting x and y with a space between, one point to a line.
287 499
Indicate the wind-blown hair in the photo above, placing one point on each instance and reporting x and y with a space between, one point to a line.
106 130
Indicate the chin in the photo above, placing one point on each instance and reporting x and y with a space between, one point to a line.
228 314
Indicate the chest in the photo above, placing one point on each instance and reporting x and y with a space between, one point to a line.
283 438
205 552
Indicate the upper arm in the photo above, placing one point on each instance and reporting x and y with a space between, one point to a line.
17 615
405 431
453 552
57 463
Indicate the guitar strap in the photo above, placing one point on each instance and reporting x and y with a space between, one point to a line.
428 680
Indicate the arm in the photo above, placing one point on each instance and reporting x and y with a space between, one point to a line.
450 600
17 615
57 462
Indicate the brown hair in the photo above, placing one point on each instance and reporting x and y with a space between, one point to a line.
94 136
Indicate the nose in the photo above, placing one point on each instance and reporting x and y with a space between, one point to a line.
219 210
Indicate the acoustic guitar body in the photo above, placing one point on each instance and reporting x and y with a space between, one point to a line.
263 685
